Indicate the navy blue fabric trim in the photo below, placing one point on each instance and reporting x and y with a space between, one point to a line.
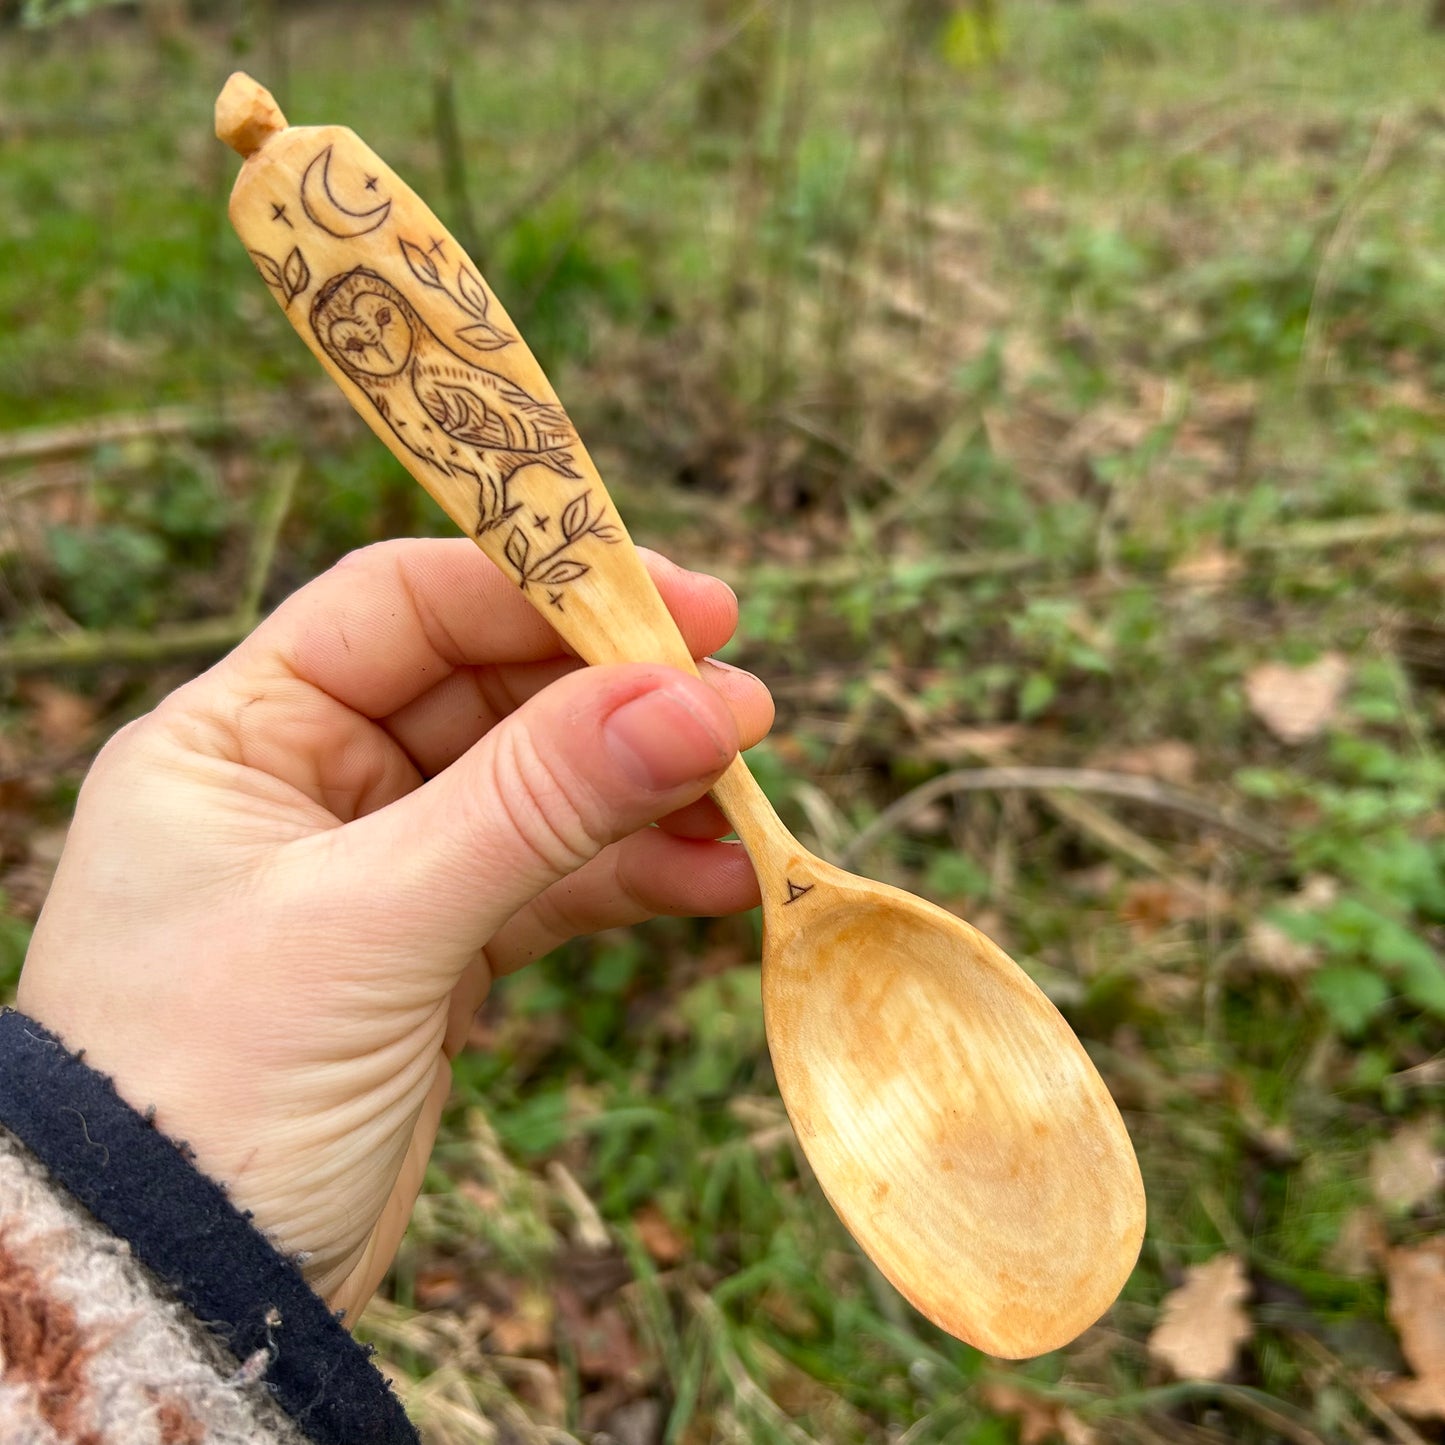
181 1226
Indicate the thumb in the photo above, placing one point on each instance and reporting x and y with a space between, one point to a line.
593 757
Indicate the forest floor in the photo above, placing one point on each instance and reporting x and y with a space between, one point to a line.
1069 397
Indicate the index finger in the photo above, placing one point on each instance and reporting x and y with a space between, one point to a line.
389 622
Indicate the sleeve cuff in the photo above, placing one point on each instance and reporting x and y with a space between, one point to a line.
180 1226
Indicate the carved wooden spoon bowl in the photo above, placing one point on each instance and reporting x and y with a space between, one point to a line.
951 1116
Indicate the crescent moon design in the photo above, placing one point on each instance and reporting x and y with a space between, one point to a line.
326 211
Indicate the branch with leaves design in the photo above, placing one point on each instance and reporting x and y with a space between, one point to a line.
290 277
468 295
555 567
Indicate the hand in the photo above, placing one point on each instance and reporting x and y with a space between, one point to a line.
287 890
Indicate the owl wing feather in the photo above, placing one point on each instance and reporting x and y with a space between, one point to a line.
541 413
464 416
495 413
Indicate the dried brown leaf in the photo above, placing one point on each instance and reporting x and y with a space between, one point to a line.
64 721
967 744
439 1286
1207 569
1150 904
794 1318
1272 950
1318 890
639 1422
526 1327
1170 759
663 1243
1415 1276
482 1195
602 1339
1203 1323
1408 1168
1040 1420
1360 1244
1297 703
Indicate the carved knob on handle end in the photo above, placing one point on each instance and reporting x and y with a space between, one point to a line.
247 115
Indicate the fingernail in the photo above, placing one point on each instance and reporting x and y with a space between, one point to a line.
668 737
722 666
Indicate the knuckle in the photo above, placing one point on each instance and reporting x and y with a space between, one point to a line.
373 554
557 917
538 807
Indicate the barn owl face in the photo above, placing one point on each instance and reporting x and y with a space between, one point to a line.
364 325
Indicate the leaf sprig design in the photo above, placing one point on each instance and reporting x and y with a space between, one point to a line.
555 567
467 294
578 521
290 277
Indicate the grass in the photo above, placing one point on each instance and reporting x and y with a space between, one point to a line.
1065 367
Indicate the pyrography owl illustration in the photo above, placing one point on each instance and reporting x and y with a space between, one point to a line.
463 419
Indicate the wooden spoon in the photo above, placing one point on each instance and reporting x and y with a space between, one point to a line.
951 1116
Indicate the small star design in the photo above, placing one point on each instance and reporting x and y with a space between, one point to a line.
371 182
278 213
437 246
539 522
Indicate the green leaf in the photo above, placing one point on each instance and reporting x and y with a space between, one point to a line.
614 967
1396 947
1422 981
1352 997
724 1016
1264 783
536 1125
955 875
14 940
1036 694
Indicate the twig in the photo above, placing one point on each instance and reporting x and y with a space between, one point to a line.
1305 537
1388 142
182 639
591 1234
616 126
1256 1402
921 1428
448 133
844 449
1131 786
93 649
906 490
830 571
1399 1428
164 421
274 509
942 455
1347 531
1111 834
1422 1075
1268 1412
45 478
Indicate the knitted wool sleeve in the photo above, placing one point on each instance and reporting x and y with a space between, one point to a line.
92 1349
137 1305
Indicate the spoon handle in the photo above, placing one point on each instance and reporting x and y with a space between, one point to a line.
394 310
397 314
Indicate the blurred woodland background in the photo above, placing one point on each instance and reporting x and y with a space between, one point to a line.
1061 386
